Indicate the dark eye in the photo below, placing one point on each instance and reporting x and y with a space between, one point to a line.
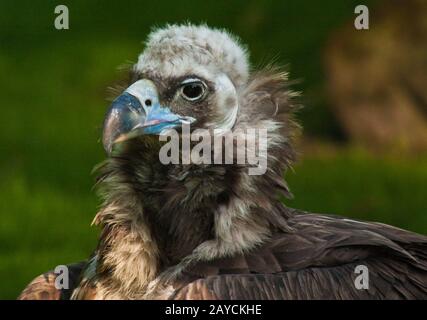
193 90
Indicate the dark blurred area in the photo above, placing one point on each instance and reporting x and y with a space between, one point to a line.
377 79
363 151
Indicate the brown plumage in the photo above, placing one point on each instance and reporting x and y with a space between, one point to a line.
213 231
43 287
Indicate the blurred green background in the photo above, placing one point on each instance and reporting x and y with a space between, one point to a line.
54 95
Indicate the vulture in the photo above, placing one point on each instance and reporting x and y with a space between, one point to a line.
208 231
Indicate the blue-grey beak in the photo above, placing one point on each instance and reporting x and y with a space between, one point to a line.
137 111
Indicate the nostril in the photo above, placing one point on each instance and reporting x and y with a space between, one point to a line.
148 102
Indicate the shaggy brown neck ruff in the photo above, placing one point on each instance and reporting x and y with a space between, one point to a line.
156 216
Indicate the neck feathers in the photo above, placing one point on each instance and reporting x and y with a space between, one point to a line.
156 216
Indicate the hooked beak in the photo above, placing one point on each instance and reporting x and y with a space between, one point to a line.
137 111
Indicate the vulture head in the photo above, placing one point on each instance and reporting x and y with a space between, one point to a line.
186 74
199 77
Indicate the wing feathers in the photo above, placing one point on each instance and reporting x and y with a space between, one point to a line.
318 261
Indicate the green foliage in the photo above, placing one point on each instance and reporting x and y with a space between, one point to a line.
355 184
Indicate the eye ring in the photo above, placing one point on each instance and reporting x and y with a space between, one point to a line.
192 90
